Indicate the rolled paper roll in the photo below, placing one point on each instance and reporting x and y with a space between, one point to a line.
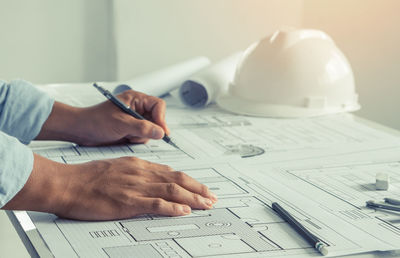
163 81
157 83
205 86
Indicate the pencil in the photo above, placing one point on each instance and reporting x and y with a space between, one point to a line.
127 109
383 206
307 235
392 201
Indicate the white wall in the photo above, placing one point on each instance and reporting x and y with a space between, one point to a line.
56 40
368 32
153 33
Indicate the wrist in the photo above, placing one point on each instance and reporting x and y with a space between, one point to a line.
46 188
62 124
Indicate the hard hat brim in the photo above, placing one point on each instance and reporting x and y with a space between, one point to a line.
242 106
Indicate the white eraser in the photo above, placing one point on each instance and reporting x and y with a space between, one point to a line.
382 181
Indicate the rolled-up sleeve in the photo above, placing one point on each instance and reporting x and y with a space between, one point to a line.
16 166
23 111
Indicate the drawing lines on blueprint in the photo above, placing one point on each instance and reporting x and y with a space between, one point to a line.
240 223
156 151
355 184
213 131
216 182
206 121
250 137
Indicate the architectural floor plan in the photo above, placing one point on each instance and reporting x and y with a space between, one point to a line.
155 151
355 184
241 223
319 169
212 135
216 133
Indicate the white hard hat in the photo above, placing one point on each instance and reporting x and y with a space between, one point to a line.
292 73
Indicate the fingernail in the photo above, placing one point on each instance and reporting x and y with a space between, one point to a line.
158 133
214 198
186 209
208 202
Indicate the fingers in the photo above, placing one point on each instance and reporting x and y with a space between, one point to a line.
142 129
176 193
162 207
148 106
158 173
135 139
192 185
135 164
157 107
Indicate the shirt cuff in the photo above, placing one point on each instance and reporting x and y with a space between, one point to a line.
16 164
24 110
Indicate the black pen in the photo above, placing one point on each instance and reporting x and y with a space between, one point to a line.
127 109
373 204
392 201
307 235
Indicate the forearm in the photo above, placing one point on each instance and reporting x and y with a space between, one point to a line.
46 188
62 124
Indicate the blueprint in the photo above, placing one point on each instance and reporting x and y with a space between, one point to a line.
320 169
214 135
354 184
241 224
155 151
256 140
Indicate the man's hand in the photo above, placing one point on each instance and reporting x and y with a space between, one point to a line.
110 189
107 124
115 188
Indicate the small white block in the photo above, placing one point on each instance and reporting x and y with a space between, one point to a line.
382 181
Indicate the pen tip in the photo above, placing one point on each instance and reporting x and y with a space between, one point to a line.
173 144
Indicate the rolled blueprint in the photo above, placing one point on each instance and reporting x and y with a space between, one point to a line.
205 86
156 83
163 81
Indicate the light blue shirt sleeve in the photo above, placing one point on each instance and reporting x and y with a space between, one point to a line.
23 111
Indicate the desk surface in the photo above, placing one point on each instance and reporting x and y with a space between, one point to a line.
11 244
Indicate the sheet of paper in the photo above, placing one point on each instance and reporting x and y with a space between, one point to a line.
154 151
249 163
354 184
212 135
242 224
215 132
341 185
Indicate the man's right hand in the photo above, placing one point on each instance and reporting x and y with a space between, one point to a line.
110 189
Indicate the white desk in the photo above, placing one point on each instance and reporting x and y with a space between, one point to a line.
10 243
14 242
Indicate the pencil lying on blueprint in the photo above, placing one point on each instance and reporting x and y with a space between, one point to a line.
392 201
127 109
307 235
383 206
